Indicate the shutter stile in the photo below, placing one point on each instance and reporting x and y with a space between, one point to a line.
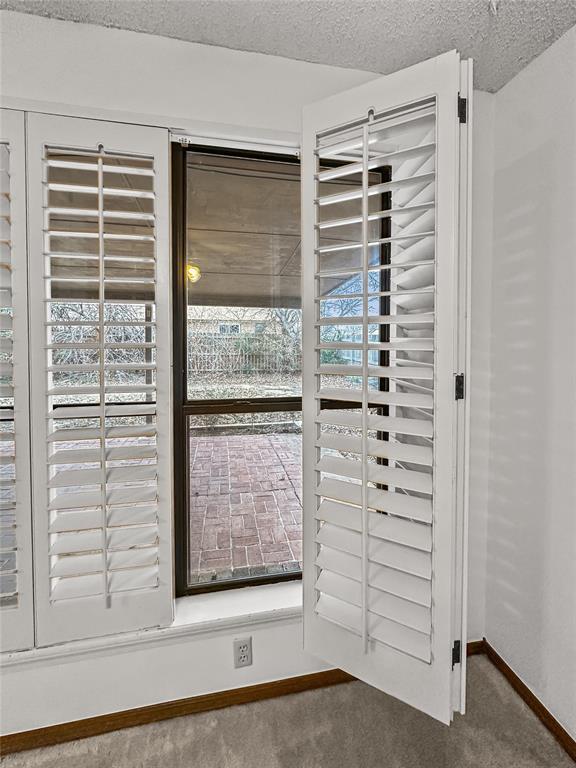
9 562
375 320
16 618
103 388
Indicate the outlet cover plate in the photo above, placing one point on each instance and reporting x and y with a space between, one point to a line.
243 652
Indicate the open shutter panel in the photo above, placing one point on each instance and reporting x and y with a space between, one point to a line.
16 620
380 217
99 266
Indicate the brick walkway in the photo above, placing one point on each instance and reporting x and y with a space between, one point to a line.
245 506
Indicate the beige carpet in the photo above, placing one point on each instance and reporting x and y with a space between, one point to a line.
345 726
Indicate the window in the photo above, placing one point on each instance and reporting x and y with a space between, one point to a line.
238 337
238 419
349 431
251 528
226 330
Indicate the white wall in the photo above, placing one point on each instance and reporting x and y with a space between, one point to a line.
82 69
479 389
531 567
90 71
99 681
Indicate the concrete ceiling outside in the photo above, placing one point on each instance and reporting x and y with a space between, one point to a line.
243 231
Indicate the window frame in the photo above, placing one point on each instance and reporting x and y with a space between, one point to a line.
183 408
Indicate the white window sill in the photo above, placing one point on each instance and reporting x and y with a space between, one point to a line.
240 605
211 612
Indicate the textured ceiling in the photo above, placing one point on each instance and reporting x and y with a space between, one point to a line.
502 36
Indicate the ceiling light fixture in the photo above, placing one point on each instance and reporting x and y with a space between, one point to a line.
193 273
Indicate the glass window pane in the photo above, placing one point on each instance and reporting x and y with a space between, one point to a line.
243 268
245 496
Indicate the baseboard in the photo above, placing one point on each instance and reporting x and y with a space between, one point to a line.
547 718
93 726
475 647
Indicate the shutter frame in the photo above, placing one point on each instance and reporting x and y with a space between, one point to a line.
427 687
61 620
17 623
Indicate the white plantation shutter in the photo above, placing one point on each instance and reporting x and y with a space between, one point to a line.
100 330
16 612
384 339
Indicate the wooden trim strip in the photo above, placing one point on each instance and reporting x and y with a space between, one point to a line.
93 726
474 647
546 717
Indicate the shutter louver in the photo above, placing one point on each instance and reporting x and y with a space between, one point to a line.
105 383
15 522
381 324
9 563
379 359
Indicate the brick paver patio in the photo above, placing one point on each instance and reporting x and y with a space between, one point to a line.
245 506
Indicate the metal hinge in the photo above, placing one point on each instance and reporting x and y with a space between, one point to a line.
462 109
456 653
459 386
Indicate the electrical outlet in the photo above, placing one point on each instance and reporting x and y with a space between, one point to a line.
243 652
